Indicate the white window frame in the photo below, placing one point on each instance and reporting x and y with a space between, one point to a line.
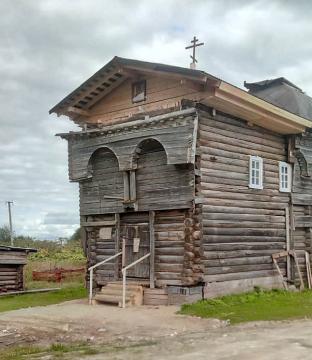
253 160
283 186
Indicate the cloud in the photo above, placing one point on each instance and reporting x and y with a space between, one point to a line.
48 47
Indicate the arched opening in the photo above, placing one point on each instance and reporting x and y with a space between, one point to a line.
105 192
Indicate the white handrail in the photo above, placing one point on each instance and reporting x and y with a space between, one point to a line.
91 273
124 276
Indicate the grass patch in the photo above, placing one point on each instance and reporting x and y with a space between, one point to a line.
254 306
19 353
15 302
59 350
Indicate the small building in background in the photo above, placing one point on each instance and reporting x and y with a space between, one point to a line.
12 262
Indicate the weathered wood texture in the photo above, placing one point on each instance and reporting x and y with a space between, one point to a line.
159 185
175 131
101 247
242 227
177 248
161 93
302 201
11 270
106 181
169 232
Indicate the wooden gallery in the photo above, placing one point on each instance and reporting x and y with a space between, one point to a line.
188 184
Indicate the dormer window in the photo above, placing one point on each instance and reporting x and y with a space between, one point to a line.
139 91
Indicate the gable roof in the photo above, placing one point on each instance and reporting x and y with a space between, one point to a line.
284 94
113 74
216 93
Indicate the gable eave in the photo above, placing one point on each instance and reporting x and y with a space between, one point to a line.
113 74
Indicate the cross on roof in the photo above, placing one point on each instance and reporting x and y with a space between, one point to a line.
194 46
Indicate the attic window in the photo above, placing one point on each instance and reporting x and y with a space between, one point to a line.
139 91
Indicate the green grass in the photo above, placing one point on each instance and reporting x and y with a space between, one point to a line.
68 351
254 306
14 302
56 350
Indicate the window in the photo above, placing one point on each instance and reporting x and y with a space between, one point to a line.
255 172
138 91
284 177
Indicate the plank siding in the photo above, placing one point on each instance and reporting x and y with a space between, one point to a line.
107 180
160 185
161 93
242 227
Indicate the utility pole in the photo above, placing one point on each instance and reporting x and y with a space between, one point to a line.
9 203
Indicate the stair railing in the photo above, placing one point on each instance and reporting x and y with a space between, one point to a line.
91 273
124 277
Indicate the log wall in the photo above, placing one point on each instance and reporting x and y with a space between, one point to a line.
302 201
11 270
242 227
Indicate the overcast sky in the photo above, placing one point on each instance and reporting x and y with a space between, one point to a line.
48 47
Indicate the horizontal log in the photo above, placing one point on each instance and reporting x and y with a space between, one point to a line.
241 223
207 144
221 255
241 275
169 259
247 246
255 260
224 210
244 217
247 203
230 124
244 231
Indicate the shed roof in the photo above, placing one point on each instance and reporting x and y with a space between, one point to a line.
16 248
284 94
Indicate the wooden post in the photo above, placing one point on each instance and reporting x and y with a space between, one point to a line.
117 245
287 220
132 186
152 248
292 239
126 186
123 256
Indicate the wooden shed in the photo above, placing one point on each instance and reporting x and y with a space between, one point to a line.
201 179
12 262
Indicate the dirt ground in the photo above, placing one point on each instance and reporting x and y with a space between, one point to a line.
154 333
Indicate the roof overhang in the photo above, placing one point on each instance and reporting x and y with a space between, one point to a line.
230 99
113 74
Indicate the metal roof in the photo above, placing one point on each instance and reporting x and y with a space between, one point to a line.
284 94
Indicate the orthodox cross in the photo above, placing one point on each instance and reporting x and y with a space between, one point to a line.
194 46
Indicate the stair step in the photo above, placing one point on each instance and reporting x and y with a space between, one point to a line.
112 299
119 286
116 292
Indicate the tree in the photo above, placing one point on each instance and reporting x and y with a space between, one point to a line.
5 236
75 239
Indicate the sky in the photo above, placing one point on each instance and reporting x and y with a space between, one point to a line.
49 47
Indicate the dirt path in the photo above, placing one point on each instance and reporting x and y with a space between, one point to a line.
155 333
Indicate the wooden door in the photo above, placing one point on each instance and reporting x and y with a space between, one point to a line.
137 245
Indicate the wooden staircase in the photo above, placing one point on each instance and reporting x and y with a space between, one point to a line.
112 294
